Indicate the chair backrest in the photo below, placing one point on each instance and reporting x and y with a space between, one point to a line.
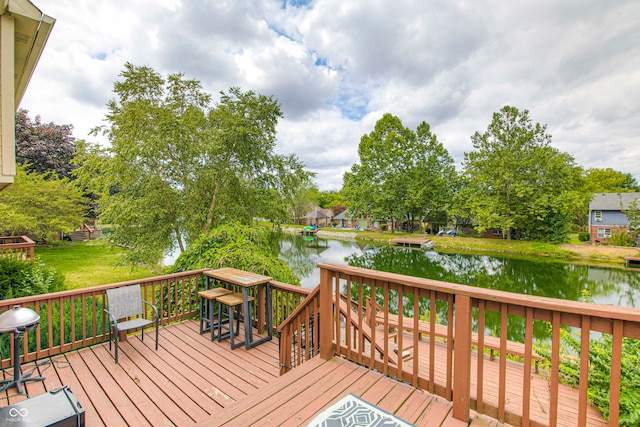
125 301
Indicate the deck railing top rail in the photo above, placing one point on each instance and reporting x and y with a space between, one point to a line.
94 289
5 240
537 302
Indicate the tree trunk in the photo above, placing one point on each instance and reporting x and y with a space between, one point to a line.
212 207
179 239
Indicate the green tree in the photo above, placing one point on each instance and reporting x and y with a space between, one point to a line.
434 180
515 180
300 196
329 199
401 174
177 167
608 180
40 205
633 215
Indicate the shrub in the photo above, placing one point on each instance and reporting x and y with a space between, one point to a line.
245 248
24 278
584 236
620 239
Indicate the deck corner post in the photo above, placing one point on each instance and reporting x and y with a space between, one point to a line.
462 358
326 314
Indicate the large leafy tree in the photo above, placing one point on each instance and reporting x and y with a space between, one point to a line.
401 174
434 179
598 180
300 194
177 167
44 147
515 180
608 180
39 205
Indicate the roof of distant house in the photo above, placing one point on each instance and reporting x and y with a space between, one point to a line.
613 201
344 215
316 214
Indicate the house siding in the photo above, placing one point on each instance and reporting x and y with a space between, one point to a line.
610 219
611 207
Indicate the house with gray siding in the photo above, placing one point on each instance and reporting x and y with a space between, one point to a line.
607 214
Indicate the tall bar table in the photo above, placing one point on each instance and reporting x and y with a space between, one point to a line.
231 277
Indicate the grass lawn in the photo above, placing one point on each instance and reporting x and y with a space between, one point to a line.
89 264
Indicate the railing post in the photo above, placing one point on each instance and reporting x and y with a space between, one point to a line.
326 314
462 358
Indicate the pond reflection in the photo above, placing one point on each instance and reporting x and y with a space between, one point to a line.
530 276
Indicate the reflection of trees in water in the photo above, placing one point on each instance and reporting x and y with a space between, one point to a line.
297 254
530 277
625 284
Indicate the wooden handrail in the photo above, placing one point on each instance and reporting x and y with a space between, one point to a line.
495 297
298 333
459 307
314 293
21 247
75 318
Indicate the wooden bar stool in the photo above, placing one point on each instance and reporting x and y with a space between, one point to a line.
232 301
207 300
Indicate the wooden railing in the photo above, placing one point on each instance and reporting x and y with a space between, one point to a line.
346 329
75 318
20 247
299 333
285 300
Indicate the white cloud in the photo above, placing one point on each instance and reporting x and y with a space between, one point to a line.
337 66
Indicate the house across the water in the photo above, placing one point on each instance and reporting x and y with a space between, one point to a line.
607 215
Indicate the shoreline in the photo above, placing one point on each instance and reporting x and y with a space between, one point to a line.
596 255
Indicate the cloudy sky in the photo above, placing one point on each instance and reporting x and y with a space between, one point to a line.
336 66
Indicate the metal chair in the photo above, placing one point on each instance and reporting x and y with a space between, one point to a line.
126 303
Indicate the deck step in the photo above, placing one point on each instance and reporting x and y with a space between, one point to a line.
79 236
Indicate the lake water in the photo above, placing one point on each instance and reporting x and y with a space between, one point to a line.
531 276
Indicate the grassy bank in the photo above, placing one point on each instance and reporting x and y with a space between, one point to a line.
89 264
579 252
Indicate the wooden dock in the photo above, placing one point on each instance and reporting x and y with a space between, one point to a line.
631 261
414 242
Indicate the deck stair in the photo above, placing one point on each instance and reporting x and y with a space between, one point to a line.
491 343
79 236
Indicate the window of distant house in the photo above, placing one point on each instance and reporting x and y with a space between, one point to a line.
597 216
604 232
496 231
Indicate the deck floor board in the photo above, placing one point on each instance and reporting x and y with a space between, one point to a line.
191 380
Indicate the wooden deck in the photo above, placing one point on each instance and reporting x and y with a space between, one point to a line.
515 372
191 380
